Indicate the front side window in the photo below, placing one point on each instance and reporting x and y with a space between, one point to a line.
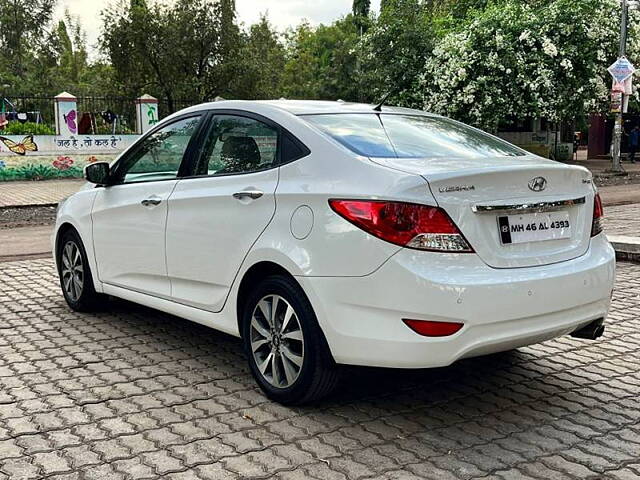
235 144
410 136
160 155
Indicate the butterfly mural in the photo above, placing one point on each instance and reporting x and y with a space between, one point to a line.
27 145
70 118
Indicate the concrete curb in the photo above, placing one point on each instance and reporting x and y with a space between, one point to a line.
627 248
32 205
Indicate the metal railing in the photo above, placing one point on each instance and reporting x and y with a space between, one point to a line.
102 115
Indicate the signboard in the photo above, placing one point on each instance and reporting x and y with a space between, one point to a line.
616 101
621 69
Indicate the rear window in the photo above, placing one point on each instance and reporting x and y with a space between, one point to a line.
410 136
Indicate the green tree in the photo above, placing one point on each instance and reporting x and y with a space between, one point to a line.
322 62
361 8
543 59
172 50
260 63
72 49
23 26
394 50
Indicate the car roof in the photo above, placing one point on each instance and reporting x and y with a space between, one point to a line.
301 107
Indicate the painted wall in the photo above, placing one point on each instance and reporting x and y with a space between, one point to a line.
58 144
54 156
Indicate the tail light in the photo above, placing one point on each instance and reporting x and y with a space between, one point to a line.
598 214
428 328
407 224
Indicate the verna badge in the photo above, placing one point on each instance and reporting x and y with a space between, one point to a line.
538 184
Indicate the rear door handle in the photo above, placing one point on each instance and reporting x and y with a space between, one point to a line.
253 194
151 202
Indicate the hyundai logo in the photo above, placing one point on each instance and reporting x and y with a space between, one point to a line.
538 184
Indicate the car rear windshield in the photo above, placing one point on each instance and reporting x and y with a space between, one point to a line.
410 136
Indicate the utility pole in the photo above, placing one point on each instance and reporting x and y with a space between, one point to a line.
617 129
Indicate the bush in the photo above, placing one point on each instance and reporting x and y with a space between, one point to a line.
27 128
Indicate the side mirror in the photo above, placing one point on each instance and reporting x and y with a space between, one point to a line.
97 173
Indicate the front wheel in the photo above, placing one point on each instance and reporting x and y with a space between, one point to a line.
287 353
75 275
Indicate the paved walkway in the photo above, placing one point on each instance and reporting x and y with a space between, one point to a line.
25 242
37 193
623 220
600 165
133 393
620 194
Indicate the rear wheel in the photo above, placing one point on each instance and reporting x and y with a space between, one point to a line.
75 275
284 344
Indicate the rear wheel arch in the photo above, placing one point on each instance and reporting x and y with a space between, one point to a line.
252 277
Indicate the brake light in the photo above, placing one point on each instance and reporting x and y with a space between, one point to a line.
598 214
407 224
428 328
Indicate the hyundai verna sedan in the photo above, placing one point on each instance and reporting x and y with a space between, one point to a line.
328 233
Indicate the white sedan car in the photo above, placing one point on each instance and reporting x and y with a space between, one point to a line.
327 233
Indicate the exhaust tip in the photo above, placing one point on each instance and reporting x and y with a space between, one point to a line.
591 331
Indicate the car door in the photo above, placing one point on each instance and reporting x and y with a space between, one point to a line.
129 216
215 217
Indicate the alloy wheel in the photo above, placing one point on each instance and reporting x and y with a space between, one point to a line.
277 341
72 271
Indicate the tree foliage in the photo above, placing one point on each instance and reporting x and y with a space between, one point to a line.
543 59
361 8
322 62
394 50
481 61
261 63
23 25
171 50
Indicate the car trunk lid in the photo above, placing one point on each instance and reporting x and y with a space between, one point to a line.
514 211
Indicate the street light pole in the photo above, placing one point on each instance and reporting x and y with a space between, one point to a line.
617 129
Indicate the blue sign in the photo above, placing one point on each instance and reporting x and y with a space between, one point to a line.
621 69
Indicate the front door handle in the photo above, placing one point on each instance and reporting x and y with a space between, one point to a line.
151 202
253 194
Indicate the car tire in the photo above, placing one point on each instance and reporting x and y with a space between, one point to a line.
75 276
287 352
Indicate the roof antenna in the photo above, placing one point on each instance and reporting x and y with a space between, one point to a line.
378 107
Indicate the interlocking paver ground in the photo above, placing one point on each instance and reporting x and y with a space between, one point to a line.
134 393
623 220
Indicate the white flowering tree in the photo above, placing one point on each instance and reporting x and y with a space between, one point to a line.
515 60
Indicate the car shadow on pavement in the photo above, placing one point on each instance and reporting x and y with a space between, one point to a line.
501 380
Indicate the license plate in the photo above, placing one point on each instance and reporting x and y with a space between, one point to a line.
534 227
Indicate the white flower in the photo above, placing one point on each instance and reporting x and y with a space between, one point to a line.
566 63
524 35
462 72
549 48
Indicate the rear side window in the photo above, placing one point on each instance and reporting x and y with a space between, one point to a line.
236 144
410 136
292 149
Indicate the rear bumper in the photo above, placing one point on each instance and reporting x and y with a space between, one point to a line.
501 308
